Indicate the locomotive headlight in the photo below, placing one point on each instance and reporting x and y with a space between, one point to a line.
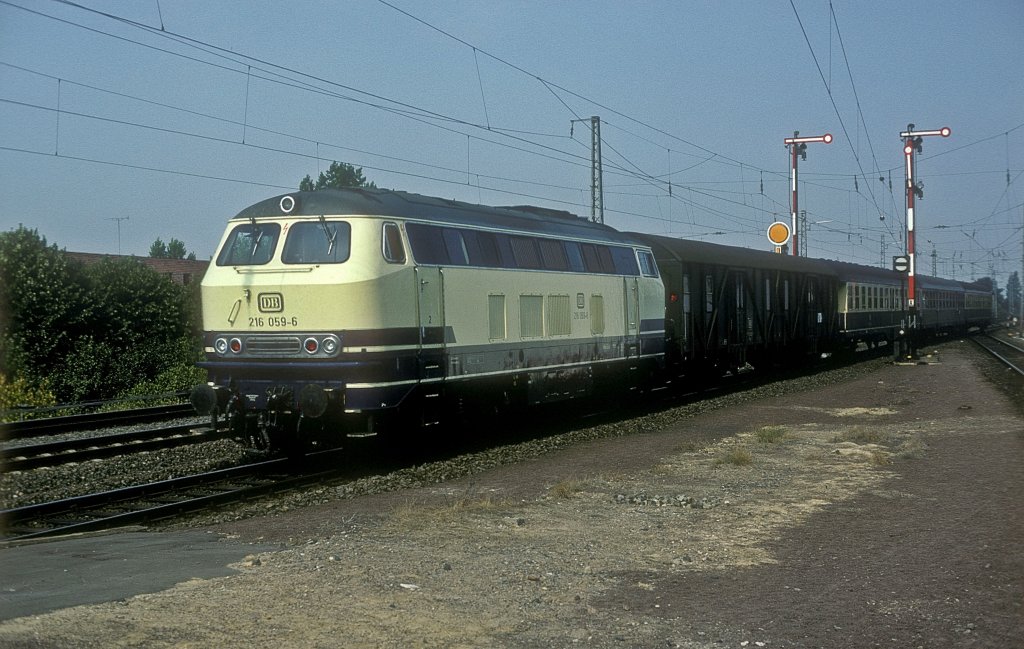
311 345
236 345
330 345
221 345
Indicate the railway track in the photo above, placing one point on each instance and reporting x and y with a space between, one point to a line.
67 451
155 501
1009 353
93 420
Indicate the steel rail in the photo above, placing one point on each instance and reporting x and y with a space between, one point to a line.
1006 361
153 501
51 425
49 454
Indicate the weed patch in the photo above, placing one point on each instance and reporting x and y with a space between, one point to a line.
770 434
738 455
862 435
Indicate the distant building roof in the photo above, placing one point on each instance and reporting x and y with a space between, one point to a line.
180 271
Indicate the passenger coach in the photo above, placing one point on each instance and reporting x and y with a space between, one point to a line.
367 308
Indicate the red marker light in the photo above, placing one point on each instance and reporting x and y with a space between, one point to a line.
827 138
945 131
908 149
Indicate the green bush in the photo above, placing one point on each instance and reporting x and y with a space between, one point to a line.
180 374
91 332
20 393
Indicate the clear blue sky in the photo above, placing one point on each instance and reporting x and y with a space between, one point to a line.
175 115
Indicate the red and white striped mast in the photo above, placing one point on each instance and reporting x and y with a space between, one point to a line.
912 143
798 146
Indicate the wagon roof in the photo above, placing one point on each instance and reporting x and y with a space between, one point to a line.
383 202
714 253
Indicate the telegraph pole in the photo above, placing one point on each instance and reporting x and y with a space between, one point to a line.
118 219
912 144
798 147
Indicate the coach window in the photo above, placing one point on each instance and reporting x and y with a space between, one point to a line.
317 242
250 244
709 294
767 295
785 295
394 250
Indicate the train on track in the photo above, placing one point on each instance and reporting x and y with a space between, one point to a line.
354 312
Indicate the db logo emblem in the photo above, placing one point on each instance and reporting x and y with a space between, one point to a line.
271 302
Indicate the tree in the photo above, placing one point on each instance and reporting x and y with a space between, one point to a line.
173 250
1013 294
338 175
86 332
43 303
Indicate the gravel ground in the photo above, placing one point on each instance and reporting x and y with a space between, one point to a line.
872 506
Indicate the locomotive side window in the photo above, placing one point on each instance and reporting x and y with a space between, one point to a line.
394 250
524 251
552 254
427 244
574 253
455 247
482 248
624 261
604 254
312 242
250 244
591 262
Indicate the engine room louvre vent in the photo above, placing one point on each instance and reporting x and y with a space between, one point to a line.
273 345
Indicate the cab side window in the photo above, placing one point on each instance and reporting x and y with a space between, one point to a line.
393 248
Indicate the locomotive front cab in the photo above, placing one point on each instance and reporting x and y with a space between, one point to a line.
299 312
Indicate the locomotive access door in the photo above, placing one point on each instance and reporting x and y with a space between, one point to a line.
430 321
631 297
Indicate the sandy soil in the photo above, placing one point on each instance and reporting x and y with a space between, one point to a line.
883 512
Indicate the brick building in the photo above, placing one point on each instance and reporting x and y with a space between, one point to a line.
180 271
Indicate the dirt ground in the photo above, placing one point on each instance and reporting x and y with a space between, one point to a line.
882 512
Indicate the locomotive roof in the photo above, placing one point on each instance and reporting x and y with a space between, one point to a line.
384 202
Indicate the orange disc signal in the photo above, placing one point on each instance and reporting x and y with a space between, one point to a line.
778 233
